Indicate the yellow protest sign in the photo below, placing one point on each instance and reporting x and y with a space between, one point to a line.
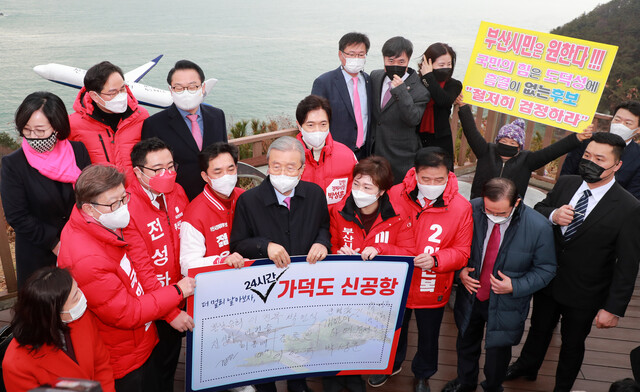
547 78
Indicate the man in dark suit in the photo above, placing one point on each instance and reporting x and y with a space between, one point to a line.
399 99
626 124
282 217
596 230
188 125
350 123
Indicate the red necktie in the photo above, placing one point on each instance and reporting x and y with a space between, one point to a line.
489 261
357 112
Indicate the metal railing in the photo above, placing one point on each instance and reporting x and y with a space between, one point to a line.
465 162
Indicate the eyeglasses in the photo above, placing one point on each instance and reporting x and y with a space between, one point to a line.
193 88
158 172
116 204
39 133
355 55
113 93
289 170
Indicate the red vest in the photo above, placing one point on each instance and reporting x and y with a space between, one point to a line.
209 216
153 235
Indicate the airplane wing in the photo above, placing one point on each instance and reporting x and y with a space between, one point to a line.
138 73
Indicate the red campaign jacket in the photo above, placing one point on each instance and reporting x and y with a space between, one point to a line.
97 260
153 238
24 370
333 172
389 234
212 220
444 230
103 144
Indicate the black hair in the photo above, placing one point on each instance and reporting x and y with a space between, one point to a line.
395 46
97 76
625 385
144 147
500 188
353 38
36 320
611 139
440 49
309 103
432 157
213 150
185 64
632 106
52 107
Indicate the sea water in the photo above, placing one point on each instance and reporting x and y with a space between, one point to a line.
265 53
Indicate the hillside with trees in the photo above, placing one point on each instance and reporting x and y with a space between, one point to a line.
614 23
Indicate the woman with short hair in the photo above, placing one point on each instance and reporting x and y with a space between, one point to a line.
37 181
54 336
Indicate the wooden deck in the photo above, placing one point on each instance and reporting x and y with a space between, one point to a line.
606 359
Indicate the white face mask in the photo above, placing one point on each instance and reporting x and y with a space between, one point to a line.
117 105
117 219
431 192
186 100
498 220
283 183
78 309
225 184
354 65
622 130
363 199
314 139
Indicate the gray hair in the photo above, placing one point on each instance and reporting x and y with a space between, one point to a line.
286 143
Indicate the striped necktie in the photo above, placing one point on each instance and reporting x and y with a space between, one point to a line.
579 213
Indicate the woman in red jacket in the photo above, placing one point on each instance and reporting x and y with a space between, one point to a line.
365 222
54 336
94 249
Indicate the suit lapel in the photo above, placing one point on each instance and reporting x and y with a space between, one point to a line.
340 84
602 209
376 86
180 127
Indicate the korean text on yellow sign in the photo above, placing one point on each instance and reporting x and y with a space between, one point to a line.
546 78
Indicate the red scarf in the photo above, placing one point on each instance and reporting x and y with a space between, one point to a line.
426 126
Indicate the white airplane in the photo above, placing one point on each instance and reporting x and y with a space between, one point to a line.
146 95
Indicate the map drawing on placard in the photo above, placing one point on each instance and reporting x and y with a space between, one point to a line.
262 322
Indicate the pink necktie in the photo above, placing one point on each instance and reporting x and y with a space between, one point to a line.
490 256
287 201
195 130
387 97
357 111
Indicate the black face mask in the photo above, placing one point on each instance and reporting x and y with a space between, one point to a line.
391 70
442 74
505 150
591 171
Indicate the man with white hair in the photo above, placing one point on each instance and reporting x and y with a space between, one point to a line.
282 217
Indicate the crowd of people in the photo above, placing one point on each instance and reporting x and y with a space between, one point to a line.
111 208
